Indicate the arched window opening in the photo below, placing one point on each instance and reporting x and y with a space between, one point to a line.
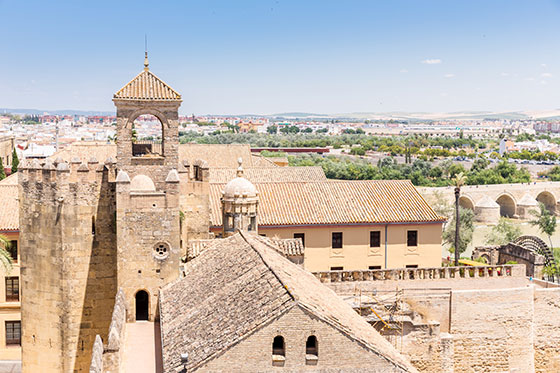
311 347
147 137
278 346
142 305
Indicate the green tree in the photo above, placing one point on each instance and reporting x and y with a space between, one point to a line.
466 219
15 161
503 233
272 129
545 220
2 172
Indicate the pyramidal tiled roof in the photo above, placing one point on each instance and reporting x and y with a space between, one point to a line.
147 86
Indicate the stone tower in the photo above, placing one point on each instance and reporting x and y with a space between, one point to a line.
67 243
240 201
147 190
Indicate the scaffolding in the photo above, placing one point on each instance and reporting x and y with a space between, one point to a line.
384 311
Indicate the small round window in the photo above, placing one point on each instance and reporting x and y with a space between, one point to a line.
161 250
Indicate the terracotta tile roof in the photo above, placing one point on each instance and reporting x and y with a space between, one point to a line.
9 212
239 285
84 151
335 202
10 180
147 86
219 155
269 174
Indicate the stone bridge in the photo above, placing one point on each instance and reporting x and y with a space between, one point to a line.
489 202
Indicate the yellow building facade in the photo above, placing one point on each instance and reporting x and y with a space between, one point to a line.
10 306
366 247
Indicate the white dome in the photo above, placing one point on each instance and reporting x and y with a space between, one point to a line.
142 183
240 187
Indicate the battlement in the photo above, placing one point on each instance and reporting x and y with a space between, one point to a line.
59 181
197 171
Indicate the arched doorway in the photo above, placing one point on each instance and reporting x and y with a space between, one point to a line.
466 203
142 305
548 200
507 205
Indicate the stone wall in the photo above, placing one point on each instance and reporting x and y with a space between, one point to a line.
109 358
336 351
67 256
493 330
547 330
194 203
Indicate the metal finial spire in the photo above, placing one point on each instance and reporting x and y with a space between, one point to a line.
240 168
146 64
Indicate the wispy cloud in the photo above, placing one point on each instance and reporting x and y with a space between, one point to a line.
431 61
504 74
529 79
546 75
543 65
543 82
449 76
404 71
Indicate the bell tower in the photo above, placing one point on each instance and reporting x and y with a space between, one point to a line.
147 190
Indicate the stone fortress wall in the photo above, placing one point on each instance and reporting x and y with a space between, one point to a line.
109 358
68 248
489 202
475 323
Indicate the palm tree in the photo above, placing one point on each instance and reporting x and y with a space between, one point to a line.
5 257
458 181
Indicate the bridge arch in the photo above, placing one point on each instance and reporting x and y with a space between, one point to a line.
548 199
466 202
508 206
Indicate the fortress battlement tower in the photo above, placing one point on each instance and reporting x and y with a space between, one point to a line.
68 271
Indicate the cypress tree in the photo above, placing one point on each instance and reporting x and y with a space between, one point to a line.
15 161
2 172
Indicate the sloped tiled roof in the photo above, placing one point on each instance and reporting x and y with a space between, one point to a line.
335 202
234 288
10 180
269 174
147 86
218 155
9 212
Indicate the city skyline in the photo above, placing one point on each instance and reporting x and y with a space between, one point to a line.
271 57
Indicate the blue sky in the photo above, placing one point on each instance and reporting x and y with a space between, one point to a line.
272 56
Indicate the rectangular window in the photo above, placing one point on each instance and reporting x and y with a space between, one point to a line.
375 239
302 236
337 240
412 238
337 268
13 332
12 289
374 267
412 266
13 250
